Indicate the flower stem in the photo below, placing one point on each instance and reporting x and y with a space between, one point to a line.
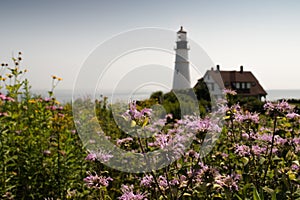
152 173
271 149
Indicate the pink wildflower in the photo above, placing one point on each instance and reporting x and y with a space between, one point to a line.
292 115
124 141
95 181
242 150
147 181
129 195
229 91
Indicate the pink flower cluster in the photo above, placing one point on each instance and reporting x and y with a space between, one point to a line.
229 91
95 181
134 114
242 150
99 155
3 114
282 106
128 194
246 117
54 107
147 181
124 141
293 115
229 181
6 98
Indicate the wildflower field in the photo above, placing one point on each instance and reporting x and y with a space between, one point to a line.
242 154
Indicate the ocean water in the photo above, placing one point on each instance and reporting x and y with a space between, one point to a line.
274 95
65 96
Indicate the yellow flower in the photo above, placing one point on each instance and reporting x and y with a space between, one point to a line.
60 79
54 77
291 175
31 101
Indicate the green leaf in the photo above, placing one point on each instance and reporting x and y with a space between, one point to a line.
238 197
255 194
216 186
271 192
245 160
145 122
262 160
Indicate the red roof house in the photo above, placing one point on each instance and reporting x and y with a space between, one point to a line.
243 82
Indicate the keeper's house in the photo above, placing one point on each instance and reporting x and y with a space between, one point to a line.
243 82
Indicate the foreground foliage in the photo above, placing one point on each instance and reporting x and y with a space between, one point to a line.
255 157
240 154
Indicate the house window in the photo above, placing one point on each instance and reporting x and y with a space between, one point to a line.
243 85
237 85
212 87
248 85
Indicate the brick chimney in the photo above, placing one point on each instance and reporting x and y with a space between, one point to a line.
241 69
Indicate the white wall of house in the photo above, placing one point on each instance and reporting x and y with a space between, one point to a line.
214 88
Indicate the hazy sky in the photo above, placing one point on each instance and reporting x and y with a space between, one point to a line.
57 36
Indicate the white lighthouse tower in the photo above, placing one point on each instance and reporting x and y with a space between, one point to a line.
181 79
